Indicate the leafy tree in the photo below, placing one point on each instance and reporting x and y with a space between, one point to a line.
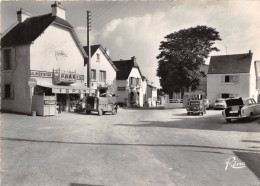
181 56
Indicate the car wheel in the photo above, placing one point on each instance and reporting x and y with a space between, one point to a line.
114 111
228 120
188 113
251 116
88 112
100 112
202 113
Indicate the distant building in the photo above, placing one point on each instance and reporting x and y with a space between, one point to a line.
42 56
151 95
231 76
129 83
103 71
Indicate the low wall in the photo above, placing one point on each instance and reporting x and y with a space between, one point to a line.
174 103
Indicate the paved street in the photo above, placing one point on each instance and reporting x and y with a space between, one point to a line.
135 147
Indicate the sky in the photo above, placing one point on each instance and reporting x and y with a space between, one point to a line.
136 28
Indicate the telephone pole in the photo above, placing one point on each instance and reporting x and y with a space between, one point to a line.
89 49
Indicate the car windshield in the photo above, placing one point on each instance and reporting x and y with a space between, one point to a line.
194 103
220 101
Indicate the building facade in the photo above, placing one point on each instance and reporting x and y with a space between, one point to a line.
103 71
129 83
231 76
42 57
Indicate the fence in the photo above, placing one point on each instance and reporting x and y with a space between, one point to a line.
174 103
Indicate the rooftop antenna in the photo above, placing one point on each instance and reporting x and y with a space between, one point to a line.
226 49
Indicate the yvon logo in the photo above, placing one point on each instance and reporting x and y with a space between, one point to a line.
233 163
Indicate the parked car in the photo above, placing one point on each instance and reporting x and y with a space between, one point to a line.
220 104
238 108
196 106
100 105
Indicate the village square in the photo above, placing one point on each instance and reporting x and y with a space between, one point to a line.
75 112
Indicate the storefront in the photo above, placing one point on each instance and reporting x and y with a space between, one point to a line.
62 87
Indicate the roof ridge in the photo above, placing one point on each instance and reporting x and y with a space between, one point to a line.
231 55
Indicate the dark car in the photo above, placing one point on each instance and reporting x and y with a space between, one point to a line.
196 107
100 105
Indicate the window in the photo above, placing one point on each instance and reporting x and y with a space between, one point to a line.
102 76
230 79
93 74
225 95
132 81
7 59
227 79
8 91
138 81
98 57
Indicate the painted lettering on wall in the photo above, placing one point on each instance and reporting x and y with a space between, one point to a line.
121 88
43 74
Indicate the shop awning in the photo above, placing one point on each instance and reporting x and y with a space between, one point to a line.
69 89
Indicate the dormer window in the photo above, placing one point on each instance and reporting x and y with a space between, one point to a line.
98 58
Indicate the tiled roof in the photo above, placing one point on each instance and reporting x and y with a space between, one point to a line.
31 28
94 49
124 68
230 64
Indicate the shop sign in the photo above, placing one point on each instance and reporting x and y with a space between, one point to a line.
66 77
121 88
49 102
42 74
68 91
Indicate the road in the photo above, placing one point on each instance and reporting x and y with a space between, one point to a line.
135 147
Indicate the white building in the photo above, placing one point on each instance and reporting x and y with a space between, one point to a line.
129 83
103 71
231 76
45 52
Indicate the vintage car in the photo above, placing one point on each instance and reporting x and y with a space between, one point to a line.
220 104
238 108
196 107
101 105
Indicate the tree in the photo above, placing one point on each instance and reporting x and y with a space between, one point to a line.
181 56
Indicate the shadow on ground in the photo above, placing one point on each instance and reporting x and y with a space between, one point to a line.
252 161
201 123
78 184
123 144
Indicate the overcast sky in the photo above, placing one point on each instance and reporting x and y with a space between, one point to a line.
136 28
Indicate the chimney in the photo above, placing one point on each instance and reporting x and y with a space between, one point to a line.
22 15
58 10
107 51
250 52
133 59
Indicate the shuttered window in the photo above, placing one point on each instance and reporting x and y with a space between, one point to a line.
7 59
8 91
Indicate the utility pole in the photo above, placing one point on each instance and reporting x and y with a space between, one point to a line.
89 49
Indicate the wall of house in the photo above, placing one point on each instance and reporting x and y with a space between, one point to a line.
103 65
215 87
136 74
253 80
144 88
122 96
55 49
18 77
